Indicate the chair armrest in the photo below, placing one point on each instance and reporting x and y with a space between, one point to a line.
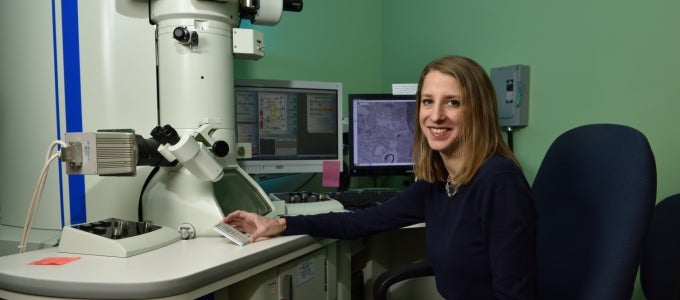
385 280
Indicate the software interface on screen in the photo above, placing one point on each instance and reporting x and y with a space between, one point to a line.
291 126
381 132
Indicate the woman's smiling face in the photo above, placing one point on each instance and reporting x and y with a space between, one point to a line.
441 111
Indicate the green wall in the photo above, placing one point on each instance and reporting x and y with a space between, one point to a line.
591 62
601 61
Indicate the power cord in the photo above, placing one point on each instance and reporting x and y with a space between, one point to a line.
37 193
509 131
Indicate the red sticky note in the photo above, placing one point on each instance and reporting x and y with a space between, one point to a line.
331 174
54 261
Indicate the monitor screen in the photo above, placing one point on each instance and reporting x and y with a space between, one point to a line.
381 134
292 126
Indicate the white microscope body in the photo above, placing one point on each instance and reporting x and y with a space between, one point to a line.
195 42
130 64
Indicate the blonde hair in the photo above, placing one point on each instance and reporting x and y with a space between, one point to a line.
480 133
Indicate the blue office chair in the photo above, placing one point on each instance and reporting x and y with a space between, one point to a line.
595 192
660 266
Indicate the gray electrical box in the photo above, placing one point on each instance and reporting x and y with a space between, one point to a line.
512 91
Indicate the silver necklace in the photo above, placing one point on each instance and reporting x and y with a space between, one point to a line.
448 185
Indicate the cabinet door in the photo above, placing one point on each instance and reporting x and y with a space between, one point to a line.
304 278
263 286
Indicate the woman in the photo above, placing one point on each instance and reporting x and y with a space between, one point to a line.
471 193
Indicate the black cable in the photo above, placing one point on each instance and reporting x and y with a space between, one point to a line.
305 183
272 177
140 212
509 132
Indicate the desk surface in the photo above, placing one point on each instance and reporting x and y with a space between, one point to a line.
189 268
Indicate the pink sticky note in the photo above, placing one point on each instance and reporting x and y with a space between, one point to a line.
331 174
54 261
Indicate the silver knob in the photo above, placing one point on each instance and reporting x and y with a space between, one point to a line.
187 231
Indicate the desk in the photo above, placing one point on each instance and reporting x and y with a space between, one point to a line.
187 269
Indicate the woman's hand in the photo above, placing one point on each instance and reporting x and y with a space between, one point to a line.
258 226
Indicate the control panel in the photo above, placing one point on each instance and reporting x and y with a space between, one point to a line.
115 237
511 84
304 203
231 233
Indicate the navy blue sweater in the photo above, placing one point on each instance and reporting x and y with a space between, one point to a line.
480 242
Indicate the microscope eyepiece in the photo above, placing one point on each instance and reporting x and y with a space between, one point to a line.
165 135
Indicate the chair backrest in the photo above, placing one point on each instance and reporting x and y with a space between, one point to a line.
660 265
595 192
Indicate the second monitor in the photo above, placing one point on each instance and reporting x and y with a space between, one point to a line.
381 134
292 126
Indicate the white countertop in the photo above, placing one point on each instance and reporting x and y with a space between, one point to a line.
188 268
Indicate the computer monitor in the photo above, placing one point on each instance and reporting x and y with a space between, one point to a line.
381 134
292 126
